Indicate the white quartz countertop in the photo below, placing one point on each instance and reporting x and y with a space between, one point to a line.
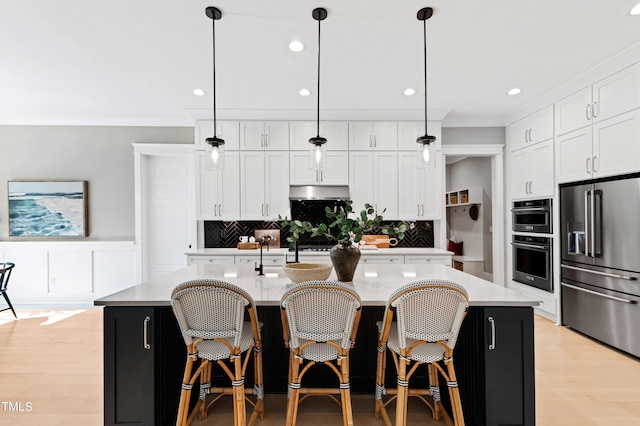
284 251
373 282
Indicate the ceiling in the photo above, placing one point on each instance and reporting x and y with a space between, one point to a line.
126 62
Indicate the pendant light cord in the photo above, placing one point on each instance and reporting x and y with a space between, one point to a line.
424 23
214 80
318 100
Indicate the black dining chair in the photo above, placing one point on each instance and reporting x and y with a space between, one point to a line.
5 274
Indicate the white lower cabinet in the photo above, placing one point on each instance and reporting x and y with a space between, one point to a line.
532 171
219 191
211 260
336 173
441 260
264 185
419 190
382 259
267 260
373 179
607 148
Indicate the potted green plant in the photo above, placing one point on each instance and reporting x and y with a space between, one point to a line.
346 228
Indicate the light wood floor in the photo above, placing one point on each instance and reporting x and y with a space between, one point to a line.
51 361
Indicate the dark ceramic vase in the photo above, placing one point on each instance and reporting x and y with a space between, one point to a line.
345 258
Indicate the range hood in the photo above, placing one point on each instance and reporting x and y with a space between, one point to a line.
318 192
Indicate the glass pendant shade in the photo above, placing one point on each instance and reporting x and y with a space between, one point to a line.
317 155
426 156
215 154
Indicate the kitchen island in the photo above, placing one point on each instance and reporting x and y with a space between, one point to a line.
145 354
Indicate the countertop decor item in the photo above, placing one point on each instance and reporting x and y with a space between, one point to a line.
300 272
347 229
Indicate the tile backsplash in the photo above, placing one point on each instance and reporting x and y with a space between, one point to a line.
219 234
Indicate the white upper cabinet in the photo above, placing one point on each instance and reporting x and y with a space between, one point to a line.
532 171
419 190
530 130
607 148
264 135
218 191
336 133
336 173
373 179
227 130
376 135
614 95
264 185
409 131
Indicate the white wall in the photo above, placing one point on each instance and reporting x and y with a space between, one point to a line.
473 135
103 156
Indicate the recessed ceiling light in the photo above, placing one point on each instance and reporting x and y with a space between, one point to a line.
635 10
409 91
199 92
296 46
514 91
304 92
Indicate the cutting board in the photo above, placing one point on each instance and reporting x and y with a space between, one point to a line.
248 246
380 241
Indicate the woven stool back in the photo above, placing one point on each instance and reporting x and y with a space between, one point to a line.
211 309
320 311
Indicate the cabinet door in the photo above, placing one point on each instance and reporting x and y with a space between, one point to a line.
408 133
574 155
227 130
219 191
509 374
541 125
409 197
129 365
276 135
361 179
208 201
336 173
573 112
385 184
617 93
276 182
336 133
430 188
360 135
542 169
252 135
252 185
616 148
518 134
385 135
520 173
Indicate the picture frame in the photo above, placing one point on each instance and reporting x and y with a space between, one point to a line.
48 209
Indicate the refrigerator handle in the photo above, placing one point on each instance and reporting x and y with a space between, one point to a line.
587 224
592 224
596 220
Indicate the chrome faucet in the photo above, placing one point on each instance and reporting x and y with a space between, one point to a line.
265 241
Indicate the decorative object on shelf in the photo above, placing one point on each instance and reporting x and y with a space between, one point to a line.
426 157
48 209
473 212
215 145
347 229
318 149
300 272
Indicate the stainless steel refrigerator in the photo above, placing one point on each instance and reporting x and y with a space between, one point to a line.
600 234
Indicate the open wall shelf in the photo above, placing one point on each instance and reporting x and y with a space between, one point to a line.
463 197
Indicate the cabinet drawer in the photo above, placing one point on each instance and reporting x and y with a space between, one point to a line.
266 260
441 260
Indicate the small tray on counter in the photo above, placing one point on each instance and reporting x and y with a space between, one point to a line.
248 246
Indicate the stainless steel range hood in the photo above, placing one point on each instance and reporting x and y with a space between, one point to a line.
313 192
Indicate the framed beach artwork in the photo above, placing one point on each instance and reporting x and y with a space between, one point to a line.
48 209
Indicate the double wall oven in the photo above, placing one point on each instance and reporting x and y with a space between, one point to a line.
532 243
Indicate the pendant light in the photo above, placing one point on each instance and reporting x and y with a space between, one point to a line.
215 145
426 147
318 149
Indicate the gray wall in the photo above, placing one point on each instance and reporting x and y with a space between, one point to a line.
473 135
103 156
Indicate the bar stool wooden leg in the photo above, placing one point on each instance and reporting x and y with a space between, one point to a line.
238 392
380 372
345 391
454 393
294 390
403 392
434 390
185 393
259 388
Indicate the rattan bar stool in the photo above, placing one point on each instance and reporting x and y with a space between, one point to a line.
319 320
428 315
210 315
